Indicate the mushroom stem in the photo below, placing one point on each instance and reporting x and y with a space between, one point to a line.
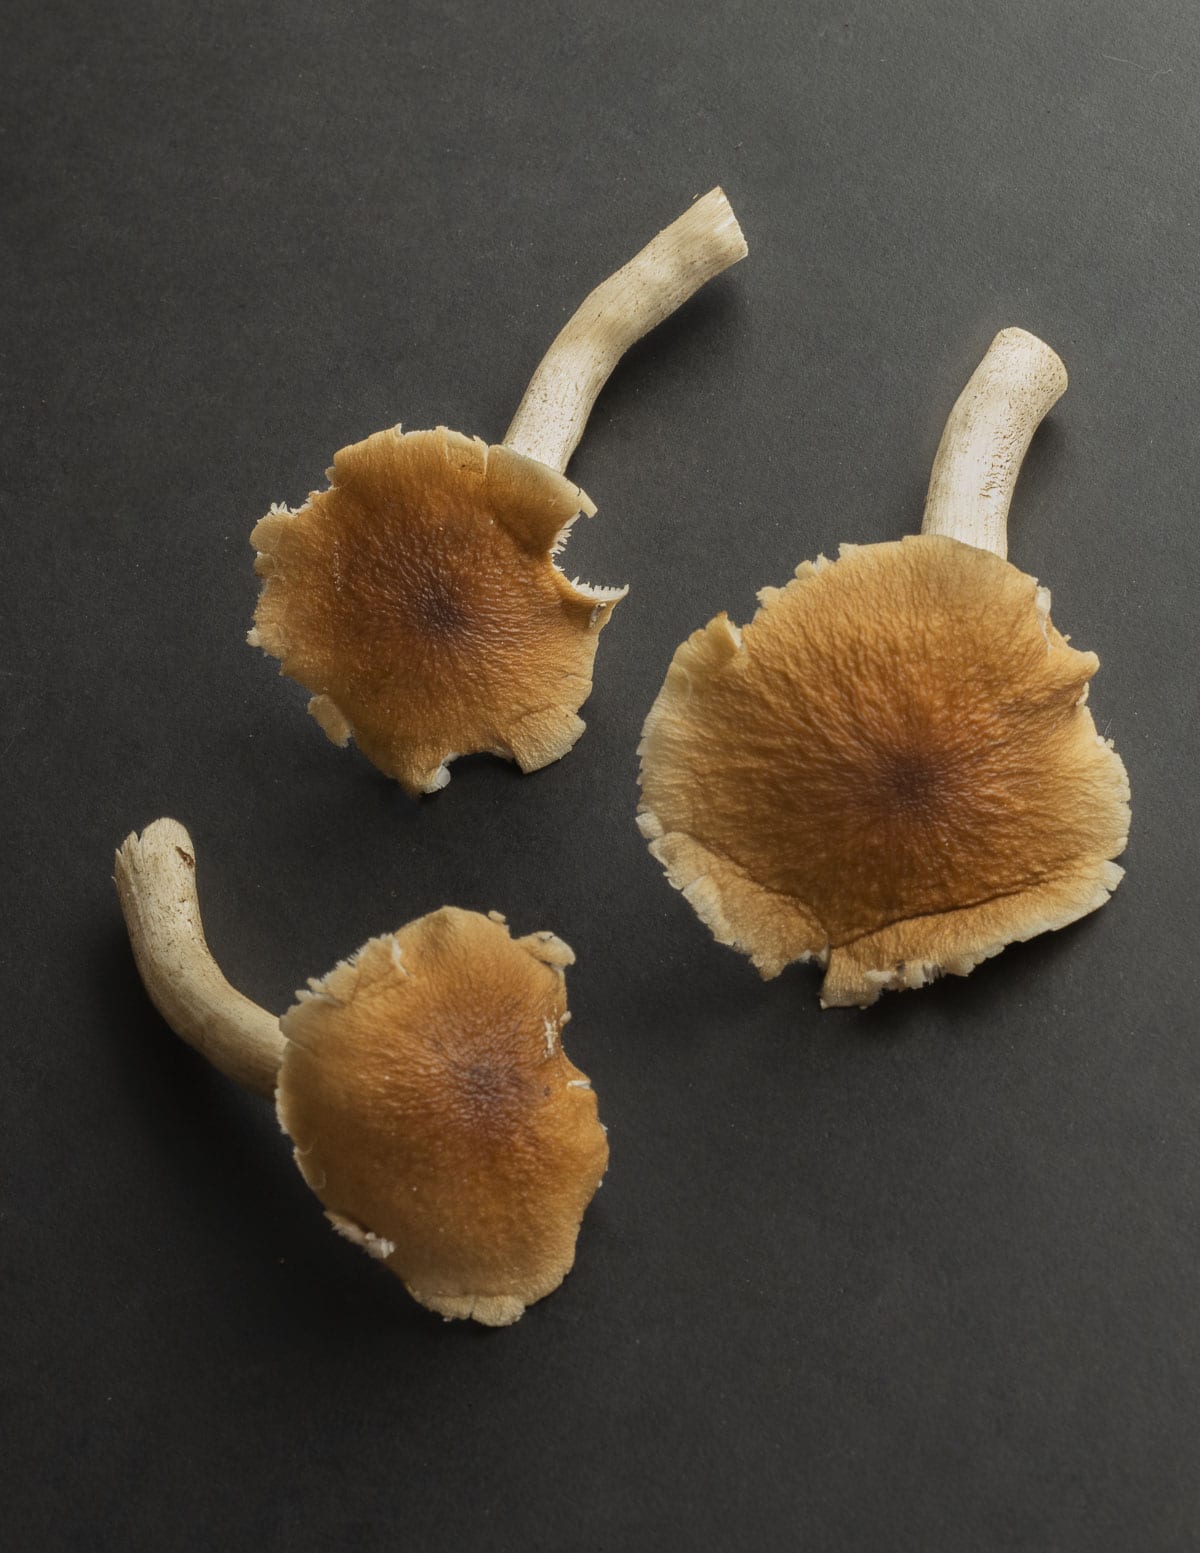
155 875
986 437
550 418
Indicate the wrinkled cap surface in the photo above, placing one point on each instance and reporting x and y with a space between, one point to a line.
890 770
418 599
436 1116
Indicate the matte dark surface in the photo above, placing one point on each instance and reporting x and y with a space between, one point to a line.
917 1278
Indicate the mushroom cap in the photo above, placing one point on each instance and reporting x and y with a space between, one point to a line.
436 1116
891 770
418 599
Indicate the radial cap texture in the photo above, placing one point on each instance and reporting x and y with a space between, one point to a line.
418 599
890 770
436 1116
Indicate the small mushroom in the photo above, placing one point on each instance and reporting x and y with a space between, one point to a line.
423 1084
418 597
891 770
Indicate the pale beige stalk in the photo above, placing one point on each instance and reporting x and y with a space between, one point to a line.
550 418
155 875
986 437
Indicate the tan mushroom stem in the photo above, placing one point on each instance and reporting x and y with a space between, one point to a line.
155 875
986 437
550 418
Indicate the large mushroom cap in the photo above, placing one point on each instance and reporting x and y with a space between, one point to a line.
437 1117
891 770
418 599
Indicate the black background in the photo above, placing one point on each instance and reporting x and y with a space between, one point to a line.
922 1277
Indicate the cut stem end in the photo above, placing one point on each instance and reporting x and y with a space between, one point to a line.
155 876
986 438
550 419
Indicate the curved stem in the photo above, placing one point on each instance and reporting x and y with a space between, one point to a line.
155 875
986 438
550 418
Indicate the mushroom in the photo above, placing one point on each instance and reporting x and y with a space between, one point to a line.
422 1082
892 770
418 597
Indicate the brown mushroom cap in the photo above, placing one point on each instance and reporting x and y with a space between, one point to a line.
418 599
437 1117
890 770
